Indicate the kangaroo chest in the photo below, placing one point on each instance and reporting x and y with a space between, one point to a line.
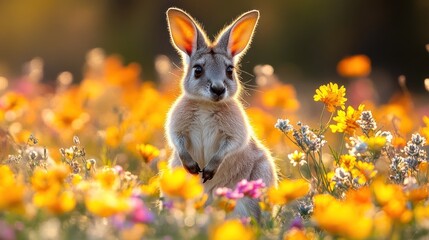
205 134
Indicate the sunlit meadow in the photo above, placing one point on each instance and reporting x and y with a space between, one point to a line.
86 159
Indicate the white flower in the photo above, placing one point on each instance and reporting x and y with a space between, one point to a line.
283 125
297 158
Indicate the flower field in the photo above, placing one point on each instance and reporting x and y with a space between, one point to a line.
87 158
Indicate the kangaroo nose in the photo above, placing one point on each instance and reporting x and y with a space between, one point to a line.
218 90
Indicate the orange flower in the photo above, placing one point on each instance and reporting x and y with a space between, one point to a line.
354 66
341 218
12 105
283 97
397 115
147 152
417 194
68 114
55 201
113 136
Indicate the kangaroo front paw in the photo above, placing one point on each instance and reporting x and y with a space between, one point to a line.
192 167
208 174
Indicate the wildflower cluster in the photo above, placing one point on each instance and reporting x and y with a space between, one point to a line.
359 173
407 164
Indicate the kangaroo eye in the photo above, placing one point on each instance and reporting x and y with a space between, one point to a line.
198 71
229 71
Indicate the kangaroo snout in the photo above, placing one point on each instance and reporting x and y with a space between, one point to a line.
218 90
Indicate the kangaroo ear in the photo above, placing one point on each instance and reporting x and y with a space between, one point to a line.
236 38
184 32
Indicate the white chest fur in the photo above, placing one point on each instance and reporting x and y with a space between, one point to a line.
204 134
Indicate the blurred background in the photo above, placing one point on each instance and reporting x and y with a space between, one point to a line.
302 39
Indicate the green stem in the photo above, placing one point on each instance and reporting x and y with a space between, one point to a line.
327 124
342 143
302 175
321 118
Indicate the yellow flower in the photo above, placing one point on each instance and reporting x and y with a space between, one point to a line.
12 191
108 178
392 200
288 190
232 230
341 218
147 152
385 192
50 189
179 183
55 200
346 120
152 188
331 96
53 178
363 171
354 66
347 162
106 202
375 143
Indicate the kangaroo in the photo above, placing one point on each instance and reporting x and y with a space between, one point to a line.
207 126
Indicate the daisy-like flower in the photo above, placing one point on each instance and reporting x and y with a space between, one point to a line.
347 120
347 162
331 96
297 158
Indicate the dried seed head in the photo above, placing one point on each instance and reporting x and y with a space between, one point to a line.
33 140
90 164
75 167
32 155
76 140
63 152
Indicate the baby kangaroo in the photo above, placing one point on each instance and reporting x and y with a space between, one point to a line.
207 126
